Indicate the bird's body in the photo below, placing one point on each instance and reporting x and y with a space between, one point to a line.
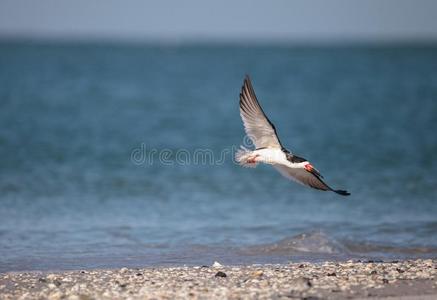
270 156
269 149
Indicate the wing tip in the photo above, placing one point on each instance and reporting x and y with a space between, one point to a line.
342 192
245 93
247 81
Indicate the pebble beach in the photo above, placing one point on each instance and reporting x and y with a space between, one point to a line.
412 279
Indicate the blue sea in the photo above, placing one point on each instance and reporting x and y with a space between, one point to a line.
121 154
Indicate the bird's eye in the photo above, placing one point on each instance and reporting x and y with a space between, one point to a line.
309 167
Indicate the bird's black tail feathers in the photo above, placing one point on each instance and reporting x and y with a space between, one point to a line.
342 192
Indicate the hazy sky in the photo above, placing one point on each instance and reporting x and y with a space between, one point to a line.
254 20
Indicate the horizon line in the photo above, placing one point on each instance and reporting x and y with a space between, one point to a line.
187 41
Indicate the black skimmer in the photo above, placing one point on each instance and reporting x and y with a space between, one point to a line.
269 149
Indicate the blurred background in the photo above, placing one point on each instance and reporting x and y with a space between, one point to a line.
350 85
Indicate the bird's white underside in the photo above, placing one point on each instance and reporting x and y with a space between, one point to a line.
275 157
270 156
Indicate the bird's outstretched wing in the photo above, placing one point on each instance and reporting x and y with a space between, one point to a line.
307 178
258 127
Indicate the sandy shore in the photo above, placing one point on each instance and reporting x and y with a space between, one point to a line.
331 280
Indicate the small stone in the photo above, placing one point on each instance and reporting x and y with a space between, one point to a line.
332 274
124 270
139 274
258 273
216 264
400 270
220 274
67 279
51 277
301 284
51 286
428 262
373 272
57 282
385 280
55 296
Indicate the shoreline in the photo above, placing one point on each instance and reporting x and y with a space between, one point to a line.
407 279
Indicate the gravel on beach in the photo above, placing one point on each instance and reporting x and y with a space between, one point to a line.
330 280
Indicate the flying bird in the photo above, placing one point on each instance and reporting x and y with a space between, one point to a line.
269 149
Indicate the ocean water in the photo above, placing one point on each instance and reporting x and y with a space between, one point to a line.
121 155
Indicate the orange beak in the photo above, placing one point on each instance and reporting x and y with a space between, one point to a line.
309 167
252 160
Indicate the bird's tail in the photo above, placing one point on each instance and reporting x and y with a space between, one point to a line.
243 156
